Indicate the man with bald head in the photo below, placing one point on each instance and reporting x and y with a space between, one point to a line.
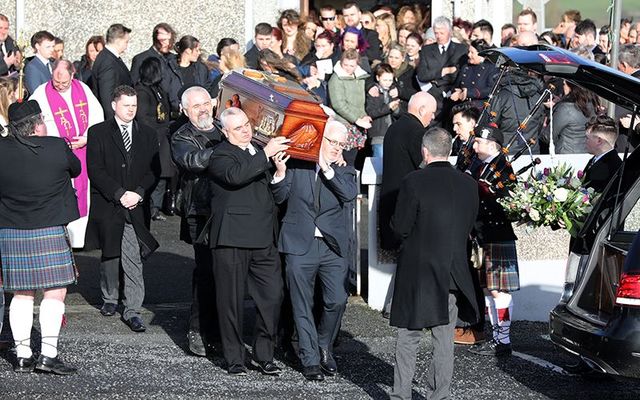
526 38
314 240
191 147
69 109
402 155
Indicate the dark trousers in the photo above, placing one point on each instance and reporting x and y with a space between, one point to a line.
302 271
259 270
204 315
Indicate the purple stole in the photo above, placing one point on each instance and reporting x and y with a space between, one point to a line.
67 130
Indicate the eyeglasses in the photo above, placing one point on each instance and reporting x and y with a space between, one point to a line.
328 18
342 145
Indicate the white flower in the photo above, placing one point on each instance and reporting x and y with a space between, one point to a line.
560 194
534 215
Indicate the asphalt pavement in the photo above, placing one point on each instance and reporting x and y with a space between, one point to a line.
115 363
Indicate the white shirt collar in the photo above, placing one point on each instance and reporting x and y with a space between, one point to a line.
45 61
112 50
121 122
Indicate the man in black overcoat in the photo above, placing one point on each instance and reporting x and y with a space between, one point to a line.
109 71
123 166
602 133
435 213
242 239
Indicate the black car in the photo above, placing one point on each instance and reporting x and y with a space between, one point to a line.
598 316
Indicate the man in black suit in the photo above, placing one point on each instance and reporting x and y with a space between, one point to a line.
123 166
602 133
8 62
261 40
242 239
314 239
164 37
436 210
352 14
440 61
109 71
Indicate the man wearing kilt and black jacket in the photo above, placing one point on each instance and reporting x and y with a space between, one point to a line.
499 274
37 201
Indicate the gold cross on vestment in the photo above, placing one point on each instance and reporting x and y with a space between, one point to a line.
81 104
61 112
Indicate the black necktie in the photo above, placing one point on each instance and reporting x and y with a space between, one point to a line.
126 137
442 50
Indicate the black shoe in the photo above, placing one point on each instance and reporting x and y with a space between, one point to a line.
327 363
266 367
196 345
492 348
24 364
237 370
136 324
169 203
156 216
312 373
48 364
108 309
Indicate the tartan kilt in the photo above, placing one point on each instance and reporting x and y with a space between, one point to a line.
500 267
36 258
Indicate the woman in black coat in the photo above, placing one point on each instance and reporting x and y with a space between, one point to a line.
94 45
191 69
476 78
153 111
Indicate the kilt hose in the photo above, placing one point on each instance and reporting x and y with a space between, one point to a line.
36 258
500 267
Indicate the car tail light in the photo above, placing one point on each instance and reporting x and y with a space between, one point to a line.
628 290
571 273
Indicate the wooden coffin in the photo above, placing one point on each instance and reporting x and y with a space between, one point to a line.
275 107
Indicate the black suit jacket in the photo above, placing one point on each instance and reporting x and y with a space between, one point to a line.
243 211
113 171
170 82
435 213
597 175
431 63
35 187
314 203
402 155
108 72
374 51
10 45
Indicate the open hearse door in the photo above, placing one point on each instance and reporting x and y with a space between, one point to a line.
598 314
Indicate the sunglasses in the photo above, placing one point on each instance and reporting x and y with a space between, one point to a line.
328 18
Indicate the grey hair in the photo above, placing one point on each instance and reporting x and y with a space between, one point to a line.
335 126
26 127
229 112
630 54
184 102
442 21
438 142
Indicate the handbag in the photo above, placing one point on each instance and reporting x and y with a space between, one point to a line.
477 254
355 138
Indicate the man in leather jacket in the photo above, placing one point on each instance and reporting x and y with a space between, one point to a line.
191 148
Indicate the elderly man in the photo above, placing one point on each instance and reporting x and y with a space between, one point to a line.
433 281
123 165
314 240
109 71
440 61
242 241
69 109
164 37
191 148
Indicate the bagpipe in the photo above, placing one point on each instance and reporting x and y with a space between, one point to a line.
499 173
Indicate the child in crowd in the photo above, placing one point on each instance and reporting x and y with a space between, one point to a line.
382 105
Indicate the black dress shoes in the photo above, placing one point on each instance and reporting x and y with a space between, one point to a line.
196 344
48 364
136 324
24 364
266 367
312 373
108 309
327 363
237 370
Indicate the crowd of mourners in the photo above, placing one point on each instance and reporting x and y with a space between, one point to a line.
141 143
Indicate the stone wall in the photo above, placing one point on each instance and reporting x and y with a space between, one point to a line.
75 21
